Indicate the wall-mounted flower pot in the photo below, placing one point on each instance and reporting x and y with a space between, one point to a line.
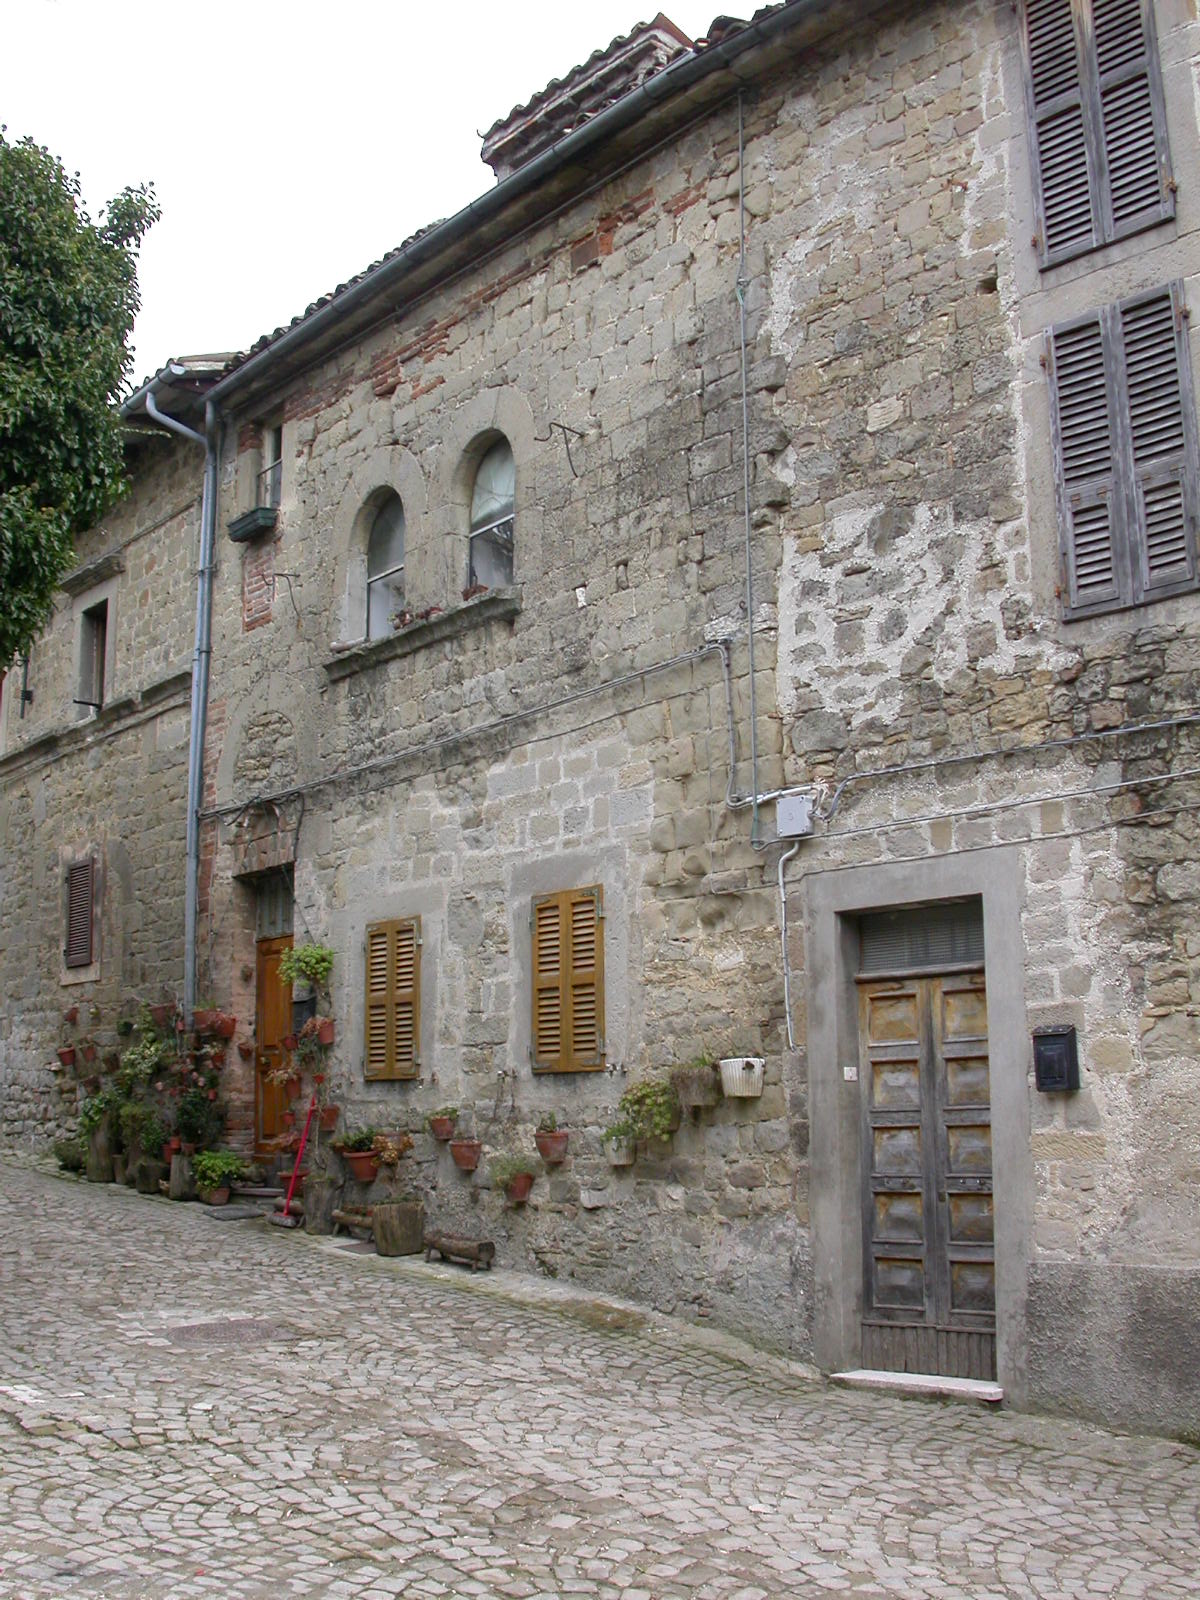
88 1052
552 1146
698 1088
328 1117
742 1077
289 1042
442 1128
517 1188
620 1152
66 1055
245 1049
71 1015
202 1021
225 1025
325 1032
288 1119
363 1164
466 1153
160 1016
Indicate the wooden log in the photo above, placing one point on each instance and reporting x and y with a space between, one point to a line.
99 1155
149 1174
182 1184
399 1227
473 1253
320 1196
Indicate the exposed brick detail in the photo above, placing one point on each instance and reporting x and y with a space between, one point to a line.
249 437
258 585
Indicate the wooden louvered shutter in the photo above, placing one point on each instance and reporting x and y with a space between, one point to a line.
1098 137
1163 487
81 881
1090 506
568 981
393 999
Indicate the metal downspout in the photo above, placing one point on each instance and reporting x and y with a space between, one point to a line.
742 284
210 439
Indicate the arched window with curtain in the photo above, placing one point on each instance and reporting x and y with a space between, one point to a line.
491 544
385 566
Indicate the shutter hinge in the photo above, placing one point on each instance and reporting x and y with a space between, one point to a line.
600 1045
1172 186
1036 241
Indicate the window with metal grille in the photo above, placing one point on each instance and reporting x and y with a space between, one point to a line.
1124 428
1097 123
393 999
568 981
946 935
270 477
81 881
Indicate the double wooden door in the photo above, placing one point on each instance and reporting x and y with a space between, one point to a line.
929 1292
273 1023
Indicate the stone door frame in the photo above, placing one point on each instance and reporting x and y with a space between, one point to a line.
833 901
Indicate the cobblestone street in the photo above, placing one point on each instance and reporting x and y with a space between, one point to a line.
195 1407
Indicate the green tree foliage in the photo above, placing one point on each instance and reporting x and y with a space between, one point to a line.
68 298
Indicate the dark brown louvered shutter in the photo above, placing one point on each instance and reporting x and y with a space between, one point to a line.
1098 137
1090 506
81 880
549 998
568 981
392 1045
1163 486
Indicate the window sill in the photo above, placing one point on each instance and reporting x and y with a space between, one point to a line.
112 717
499 605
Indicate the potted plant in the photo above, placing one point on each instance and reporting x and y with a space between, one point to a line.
619 1144
466 1153
696 1084
357 1150
441 1122
513 1174
69 1154
650 1109
215 1171
307 963
199 1120
742 1077
551 1140
66 1054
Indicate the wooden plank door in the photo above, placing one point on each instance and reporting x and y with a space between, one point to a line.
273 1022
929 1301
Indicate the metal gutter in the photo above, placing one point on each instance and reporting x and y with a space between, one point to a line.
674 80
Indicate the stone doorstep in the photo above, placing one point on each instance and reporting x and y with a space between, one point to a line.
922 1386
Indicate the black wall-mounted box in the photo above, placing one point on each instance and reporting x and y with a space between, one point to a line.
1056 1058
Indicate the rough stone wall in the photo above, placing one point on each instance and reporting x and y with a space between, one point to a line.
112 786
920 620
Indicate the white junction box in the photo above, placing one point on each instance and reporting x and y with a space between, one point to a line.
793 816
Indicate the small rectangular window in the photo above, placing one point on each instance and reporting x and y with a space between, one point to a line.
1097 123
1124 430
393 999
93 652
81 880
270 477
568 981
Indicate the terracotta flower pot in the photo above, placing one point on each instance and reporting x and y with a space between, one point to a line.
245 1049
161 1015
288 1119
442 1128
187 1147
202 1021
176 1144
552 1145
289 1041
71 1015
466 1153
363 1164
88 1052
214 1197
224 1024
325 1032
329 1117
66 1055
167 1152
519 1187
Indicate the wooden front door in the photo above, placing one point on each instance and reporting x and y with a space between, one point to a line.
273 1022
929 1293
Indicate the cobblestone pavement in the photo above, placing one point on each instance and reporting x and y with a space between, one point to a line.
190 1407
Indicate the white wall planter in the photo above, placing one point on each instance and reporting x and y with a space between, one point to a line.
742 1077
620 1152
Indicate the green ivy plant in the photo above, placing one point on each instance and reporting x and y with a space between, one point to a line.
94 1110
647 1110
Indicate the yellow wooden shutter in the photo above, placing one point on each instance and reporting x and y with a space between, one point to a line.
568 981
548 974
393 999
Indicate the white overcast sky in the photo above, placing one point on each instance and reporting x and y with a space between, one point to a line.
290 144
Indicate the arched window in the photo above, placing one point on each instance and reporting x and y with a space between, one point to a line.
385 567
491 544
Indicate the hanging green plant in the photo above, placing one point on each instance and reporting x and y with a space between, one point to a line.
309 962
647 1110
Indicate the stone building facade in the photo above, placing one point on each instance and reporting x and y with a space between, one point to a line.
718 460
